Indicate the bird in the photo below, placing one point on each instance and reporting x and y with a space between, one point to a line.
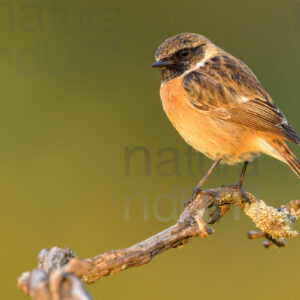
219 106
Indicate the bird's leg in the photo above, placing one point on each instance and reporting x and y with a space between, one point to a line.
242 176
201 182
220 210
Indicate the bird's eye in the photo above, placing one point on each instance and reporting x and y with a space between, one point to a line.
184 53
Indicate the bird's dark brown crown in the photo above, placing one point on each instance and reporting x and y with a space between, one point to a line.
179 53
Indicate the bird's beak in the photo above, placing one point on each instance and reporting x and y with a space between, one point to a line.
161 63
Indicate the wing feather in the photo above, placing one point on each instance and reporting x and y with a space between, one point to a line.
236 98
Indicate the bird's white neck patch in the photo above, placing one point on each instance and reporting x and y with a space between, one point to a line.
199 64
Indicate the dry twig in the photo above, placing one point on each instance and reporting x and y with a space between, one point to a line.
60 275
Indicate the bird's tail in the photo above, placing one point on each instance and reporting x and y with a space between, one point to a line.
292 161
284 153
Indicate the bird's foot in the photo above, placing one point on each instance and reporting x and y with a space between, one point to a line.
220 209
218 212
194 195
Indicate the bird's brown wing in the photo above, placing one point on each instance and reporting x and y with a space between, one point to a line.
237 103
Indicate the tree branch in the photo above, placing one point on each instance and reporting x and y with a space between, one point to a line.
60 275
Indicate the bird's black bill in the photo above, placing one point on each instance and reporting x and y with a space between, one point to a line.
161 63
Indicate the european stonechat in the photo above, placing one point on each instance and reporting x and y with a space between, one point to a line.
218 105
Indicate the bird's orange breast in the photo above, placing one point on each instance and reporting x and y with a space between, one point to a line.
191 125
213 137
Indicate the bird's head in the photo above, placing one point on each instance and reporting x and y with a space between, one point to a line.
180 53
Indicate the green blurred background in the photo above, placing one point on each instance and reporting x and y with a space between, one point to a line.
78 90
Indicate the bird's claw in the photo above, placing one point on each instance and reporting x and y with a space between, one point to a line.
194 195
218 212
